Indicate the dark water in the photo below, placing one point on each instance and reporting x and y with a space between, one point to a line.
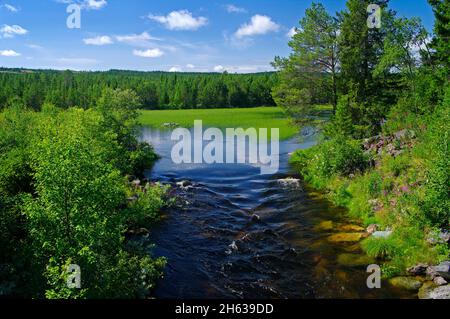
217 248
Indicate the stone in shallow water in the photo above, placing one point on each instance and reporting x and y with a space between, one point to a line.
344 237
325 225
408 283
351 228
289 182
354 260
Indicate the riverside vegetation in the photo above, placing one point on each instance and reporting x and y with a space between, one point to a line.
65 198
70 158
385 153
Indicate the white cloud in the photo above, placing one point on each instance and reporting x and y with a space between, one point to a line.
292 32
150 53
233 9
9 53
9 31
10 8
219 68
136 39
258 25
95 4
180 20
100 40
175 69
86 4
190 66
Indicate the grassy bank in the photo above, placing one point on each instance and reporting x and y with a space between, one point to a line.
397 181
260 117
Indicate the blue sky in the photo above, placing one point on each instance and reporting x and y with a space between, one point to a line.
182 35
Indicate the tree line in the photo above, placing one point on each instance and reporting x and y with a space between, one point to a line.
156 90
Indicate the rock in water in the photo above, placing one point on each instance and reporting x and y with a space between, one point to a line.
407 283
289 182
345 237
354 260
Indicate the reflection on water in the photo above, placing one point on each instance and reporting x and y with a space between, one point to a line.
238 234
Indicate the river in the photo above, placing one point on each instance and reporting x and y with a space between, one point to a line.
235 233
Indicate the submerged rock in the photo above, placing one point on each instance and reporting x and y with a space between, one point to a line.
345 237
408 283
351 228
354 260
324 225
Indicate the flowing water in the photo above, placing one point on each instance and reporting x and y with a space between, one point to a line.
235 233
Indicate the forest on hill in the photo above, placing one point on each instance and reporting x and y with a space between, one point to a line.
156 90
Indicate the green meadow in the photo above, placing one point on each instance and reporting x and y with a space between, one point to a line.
259 117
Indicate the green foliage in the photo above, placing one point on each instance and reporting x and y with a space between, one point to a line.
309 75
437 192
63 200
338 156
156 90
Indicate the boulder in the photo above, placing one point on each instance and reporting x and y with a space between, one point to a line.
439 281
408 283
372 228
442 292
418 270
442 270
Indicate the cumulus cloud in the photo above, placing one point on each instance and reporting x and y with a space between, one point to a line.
150 53
231 8
10 7
9 31
100 40
95 4
190 66
219 68
258 25
175 69
180 20
9 53
87 4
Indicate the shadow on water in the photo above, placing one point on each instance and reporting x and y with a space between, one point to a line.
235 233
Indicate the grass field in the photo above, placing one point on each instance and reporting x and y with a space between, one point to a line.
260 117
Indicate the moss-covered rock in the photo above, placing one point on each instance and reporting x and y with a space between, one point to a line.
408 283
